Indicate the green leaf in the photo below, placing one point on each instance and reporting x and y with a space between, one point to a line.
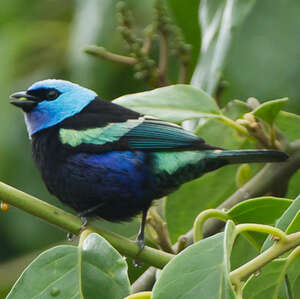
293 275
200 271
218 19
270 282
294 186
174 103
284 222
263 210
258 211
268 111
267 284
235 109
70 272
243 175
289 124
53 274
103 270
294 226
242 252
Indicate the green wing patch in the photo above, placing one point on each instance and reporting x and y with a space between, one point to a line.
172 162
96 136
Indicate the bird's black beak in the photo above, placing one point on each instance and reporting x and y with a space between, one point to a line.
26 101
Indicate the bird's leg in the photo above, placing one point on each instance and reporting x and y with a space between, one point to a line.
82 215
140 237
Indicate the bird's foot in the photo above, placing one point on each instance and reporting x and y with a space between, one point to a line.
141 243
137 264
140 238
84 221
70 237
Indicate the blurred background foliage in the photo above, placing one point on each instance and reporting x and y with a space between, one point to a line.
44 39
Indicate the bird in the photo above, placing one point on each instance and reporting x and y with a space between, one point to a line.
105 160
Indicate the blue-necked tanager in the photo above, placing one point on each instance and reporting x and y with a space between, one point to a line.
105 160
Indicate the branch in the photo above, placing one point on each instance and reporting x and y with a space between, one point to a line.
103 53
72 224
163 60
260 184
183 73
160 227
145 281
235 125
280 247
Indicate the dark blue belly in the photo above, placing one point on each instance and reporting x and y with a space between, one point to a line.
120 182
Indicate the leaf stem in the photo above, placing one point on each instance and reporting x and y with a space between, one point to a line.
202 217
241 129
183 73
261 228
273 252
147 45
163 60
72 224
103 53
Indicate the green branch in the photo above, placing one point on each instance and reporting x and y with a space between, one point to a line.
261 228
163 60
72 224
235 125
273 252
259 185
161 236
103 53
202 217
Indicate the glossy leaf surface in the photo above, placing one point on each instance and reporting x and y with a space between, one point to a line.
174 103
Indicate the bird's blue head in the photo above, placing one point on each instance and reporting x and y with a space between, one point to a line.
46 103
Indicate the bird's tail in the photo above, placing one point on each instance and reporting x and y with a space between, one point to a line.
249 156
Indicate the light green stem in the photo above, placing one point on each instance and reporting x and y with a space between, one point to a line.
103 53
233 124
257 263
261 228
202 217
72 224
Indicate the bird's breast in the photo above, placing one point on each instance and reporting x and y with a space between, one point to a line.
119 182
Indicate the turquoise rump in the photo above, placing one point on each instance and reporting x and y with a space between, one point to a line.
108 161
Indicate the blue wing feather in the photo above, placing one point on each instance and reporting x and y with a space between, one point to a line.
151 134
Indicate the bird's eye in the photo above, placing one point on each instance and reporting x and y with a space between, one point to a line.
52 94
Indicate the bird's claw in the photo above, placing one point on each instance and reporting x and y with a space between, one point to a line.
70 237
84 222
141 244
